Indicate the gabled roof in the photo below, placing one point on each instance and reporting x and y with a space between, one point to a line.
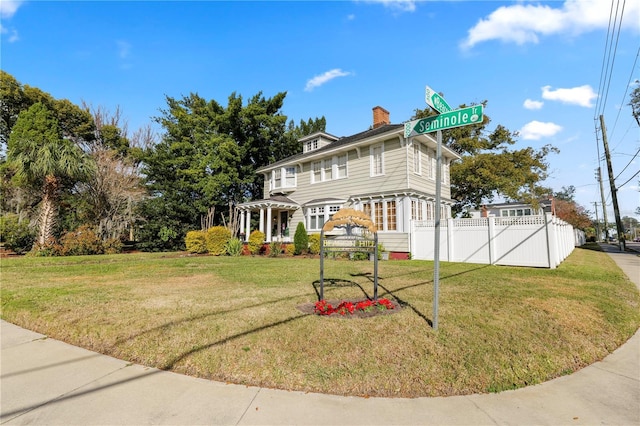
345 141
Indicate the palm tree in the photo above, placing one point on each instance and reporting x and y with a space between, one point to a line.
42 158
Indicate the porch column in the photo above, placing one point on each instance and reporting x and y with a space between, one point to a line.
241 220
269 225
248 226
261 228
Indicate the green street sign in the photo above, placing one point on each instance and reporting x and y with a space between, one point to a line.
448 120
435 101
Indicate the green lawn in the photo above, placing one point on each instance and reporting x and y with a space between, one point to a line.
237 319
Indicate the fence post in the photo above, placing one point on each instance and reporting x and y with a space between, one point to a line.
491 243
551 239
450 247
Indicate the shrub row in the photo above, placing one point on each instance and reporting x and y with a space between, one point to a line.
218 241
82 241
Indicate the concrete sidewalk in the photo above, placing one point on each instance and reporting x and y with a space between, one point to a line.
44 381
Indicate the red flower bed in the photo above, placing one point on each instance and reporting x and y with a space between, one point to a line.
325 308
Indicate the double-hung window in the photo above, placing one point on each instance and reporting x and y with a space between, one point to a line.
445 172
277 178
316 171
341 166
290 177
377 160
283 177
327 170
417 158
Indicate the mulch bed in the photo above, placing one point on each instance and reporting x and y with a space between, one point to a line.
309 308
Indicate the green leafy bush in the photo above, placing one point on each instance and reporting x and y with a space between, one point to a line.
314 243
15 234
112 246
300 239
234 247
275 248
217 239
82 241
256 239
196 242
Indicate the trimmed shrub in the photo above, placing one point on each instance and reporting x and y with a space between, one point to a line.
256 239
15 234
217 239
290 249
314 243
300 239
234 247
196 242
82 241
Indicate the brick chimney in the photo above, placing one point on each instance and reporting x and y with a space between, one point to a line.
380 117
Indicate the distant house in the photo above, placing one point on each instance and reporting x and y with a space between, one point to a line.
514 209
378 171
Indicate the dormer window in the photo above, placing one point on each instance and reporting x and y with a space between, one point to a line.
316 141
311 145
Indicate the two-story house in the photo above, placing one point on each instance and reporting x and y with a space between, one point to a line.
378 171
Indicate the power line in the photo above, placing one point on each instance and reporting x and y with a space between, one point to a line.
610 53
633 67
628 164
636 174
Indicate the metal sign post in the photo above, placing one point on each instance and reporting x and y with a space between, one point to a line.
436 244
447 118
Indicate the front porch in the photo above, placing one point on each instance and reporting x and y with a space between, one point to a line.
274 216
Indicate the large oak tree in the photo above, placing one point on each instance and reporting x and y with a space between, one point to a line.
490 166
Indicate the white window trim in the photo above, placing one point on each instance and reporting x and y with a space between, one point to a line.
332 164
283 178
336 166
417 158
384 203
313 172
372 165
329 209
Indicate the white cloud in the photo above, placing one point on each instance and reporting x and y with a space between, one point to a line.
536 130
530 104
525 23
8 8
581 95
399 5
321 79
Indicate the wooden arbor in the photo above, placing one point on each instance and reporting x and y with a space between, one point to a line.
358 229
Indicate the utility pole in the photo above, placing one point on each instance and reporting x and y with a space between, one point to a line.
595 205
604 204
614 193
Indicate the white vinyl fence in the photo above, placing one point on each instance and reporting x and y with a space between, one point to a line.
538 241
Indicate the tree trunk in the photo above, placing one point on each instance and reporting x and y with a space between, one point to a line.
48 210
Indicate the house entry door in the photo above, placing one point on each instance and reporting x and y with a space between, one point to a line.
284 223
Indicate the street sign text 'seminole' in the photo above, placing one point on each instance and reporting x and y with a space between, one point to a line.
448 120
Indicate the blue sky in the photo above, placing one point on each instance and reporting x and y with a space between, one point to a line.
547 69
